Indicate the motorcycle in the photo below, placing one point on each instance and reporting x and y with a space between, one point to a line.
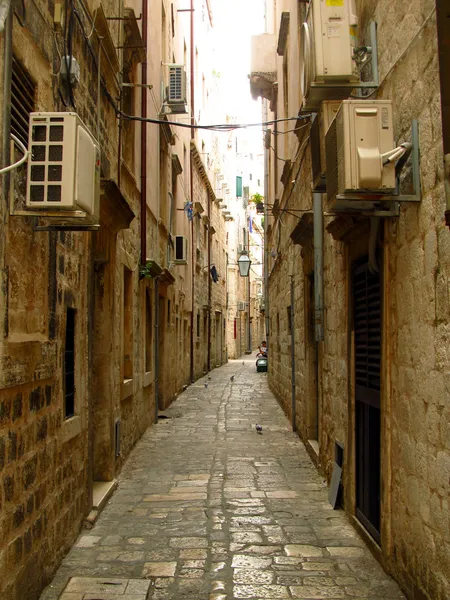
261 362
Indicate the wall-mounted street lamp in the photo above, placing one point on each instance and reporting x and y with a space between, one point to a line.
244 263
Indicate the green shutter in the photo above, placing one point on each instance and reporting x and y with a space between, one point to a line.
238 187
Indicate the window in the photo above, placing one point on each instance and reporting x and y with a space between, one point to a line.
22 101
148 332
69 365
251 177
127 324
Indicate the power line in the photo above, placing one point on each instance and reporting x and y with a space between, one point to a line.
218 127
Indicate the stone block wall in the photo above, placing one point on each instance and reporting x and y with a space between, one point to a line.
414 254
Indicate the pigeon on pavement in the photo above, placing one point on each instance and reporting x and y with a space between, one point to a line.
243 362
258 429
232 378
206 385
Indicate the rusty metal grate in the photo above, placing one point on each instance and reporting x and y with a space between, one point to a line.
22 101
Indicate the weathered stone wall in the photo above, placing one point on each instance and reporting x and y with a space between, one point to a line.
45 473
417 271
415 262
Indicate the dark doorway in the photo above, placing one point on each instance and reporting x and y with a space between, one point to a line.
367 326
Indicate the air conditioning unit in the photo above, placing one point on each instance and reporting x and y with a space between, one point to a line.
181 250
328 39
242 306
176 97
355 143
64 167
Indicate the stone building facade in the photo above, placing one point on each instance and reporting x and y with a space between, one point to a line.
391 437
95 318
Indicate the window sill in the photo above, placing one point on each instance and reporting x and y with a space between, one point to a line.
70 429
148 378
126 389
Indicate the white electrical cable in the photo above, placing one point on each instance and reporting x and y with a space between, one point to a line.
26 154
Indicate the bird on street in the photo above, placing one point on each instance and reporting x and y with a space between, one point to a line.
206 385
243 362
232 378
258 429
209 377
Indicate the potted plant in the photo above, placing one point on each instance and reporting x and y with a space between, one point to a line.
259 201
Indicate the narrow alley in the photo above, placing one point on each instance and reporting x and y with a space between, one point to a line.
208 508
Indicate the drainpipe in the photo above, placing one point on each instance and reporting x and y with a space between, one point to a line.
318 266
447 188
144 137
266 219
191 177
156 348
293 391
209 285
443 35
171 212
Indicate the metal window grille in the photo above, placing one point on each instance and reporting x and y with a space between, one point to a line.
69 365
22 101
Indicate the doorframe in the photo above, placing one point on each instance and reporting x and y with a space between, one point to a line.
356 251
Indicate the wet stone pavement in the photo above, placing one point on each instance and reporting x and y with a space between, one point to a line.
209 509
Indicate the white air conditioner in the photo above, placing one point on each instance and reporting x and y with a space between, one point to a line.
64 167
181 250
328 38
242 306
357 139
176 97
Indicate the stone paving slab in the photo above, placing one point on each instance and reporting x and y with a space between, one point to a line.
208 509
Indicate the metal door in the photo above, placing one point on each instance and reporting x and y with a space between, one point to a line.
367 327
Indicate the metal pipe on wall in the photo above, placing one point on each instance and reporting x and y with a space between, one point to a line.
318 266
143 212
209 285
249 325
443 36
156 348
191 182
266 218
293 387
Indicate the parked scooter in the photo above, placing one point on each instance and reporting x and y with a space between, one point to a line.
261 359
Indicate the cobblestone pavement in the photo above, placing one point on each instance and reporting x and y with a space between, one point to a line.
208 509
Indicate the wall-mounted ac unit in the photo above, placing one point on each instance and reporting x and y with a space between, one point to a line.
242 306
328 38
176 97
355 143
64 167
181 250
